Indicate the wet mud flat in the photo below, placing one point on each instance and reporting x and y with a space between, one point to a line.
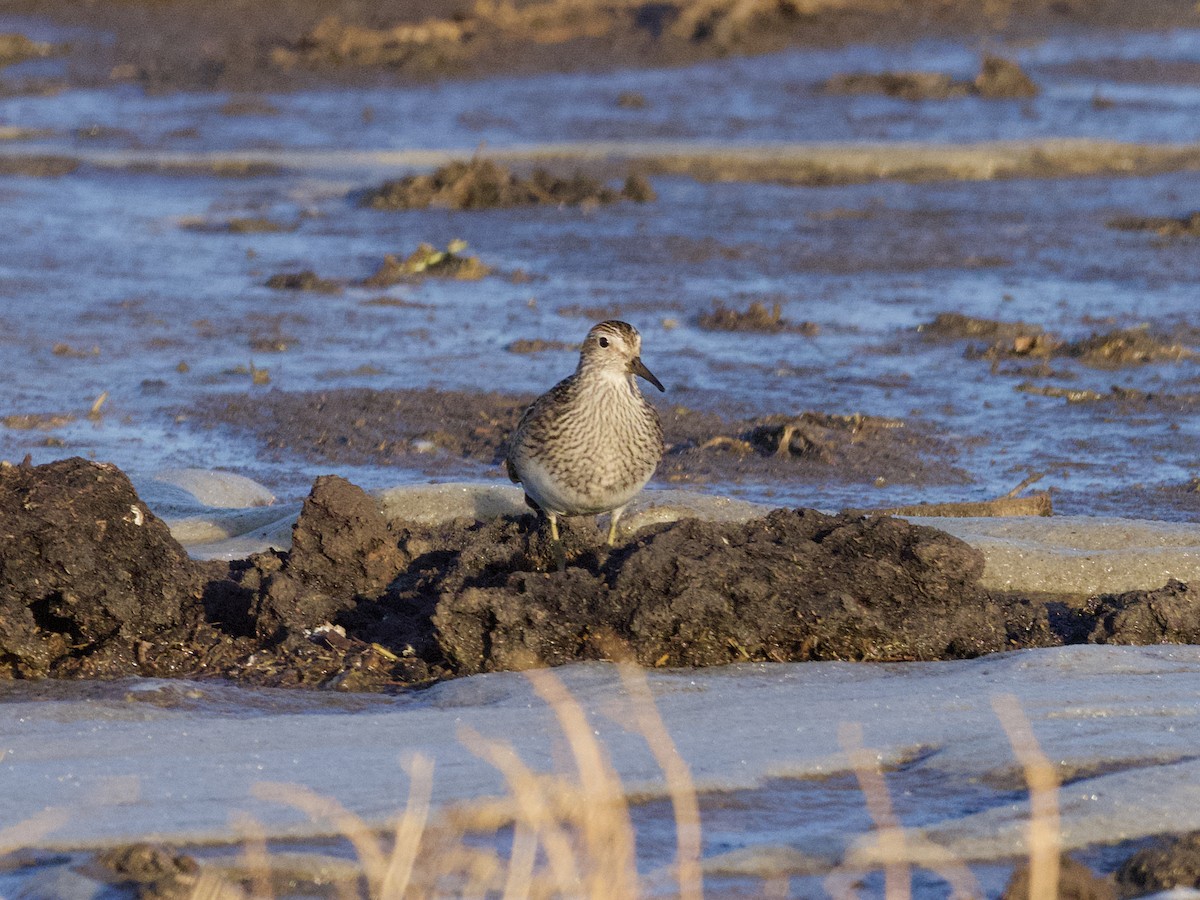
445 433
95 586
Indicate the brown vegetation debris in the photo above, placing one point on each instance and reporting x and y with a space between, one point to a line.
1104 350
37 421
240 225
15 48
1126 347
428 261
956 326
539 345
755 318
484 184
431 45
998 79
37 165
306 280
1164 226
818 435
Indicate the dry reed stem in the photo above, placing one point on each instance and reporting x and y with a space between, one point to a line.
893 849
319 808
531 807
256 860
1044 834
521 861
409 828
890 836
680 785
607 829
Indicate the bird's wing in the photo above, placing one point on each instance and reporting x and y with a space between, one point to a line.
532 416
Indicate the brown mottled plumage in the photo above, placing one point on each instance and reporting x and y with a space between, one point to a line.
591 442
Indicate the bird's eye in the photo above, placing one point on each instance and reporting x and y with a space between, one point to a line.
603 342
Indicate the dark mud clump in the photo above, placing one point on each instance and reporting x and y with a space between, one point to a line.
341 550
1164 226
455 432
903 85
483 184
427 261
1167 615
307 280
1168 863
756 317
241 225
1019 340
998 79
149 870
85 568
1003 79
1075 882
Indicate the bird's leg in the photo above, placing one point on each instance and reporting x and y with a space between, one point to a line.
560 554
612 525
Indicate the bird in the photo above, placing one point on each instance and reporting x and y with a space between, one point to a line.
591 442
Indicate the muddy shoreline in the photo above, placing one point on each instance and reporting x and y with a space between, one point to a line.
233 45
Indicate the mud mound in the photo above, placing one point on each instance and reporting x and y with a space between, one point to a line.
85 564
1168 615
794 585
756 317
483 184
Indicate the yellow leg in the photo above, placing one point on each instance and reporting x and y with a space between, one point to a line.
560 553
612 525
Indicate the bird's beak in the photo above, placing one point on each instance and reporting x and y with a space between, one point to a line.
639 368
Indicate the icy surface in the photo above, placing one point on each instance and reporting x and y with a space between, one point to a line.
175 759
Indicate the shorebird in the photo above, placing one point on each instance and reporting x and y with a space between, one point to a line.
591 442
